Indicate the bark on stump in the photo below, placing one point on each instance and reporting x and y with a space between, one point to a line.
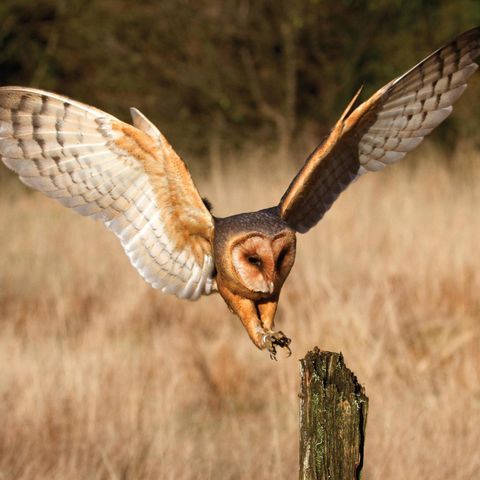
333 418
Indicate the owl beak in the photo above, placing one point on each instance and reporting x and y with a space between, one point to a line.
268 287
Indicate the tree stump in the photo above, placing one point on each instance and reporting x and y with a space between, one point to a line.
333 418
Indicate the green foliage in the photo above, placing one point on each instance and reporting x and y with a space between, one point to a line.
233 70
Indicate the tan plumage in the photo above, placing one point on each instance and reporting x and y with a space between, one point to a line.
130 178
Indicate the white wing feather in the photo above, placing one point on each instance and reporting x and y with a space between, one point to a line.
93 163
417 102
382 130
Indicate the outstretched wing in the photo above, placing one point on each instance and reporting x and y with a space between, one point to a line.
381 130
128 177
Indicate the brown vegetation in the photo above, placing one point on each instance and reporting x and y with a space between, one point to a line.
102 377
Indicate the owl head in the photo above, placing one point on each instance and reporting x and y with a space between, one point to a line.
262 263
256 258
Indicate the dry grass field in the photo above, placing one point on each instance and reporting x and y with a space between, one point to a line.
102 377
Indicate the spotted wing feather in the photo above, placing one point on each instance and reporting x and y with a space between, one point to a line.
381 130
130 178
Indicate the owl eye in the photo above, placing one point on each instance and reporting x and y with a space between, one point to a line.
281 257
254 260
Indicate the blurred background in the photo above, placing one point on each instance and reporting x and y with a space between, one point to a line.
226 74
102 377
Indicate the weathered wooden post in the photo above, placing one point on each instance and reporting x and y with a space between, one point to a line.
333 418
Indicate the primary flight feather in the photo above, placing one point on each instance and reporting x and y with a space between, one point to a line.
130 178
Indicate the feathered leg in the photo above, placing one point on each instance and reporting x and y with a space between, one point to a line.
257 320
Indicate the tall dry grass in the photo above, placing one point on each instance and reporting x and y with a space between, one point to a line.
102 377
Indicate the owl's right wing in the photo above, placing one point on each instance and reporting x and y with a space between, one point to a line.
127 176
381 130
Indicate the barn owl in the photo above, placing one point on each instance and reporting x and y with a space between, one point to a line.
130 178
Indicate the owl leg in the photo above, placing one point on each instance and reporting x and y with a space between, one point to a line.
249 314
267 310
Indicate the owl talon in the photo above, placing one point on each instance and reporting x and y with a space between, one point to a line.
277 339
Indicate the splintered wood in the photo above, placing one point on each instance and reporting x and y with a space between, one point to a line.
333 418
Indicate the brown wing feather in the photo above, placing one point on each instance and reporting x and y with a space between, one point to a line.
381 130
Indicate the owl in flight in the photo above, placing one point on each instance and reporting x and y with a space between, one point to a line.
130 178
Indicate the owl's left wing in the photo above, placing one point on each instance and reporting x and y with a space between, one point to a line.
381 130
127 176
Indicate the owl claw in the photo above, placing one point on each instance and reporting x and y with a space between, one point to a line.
272 340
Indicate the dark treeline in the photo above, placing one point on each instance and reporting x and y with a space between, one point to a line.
229 73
